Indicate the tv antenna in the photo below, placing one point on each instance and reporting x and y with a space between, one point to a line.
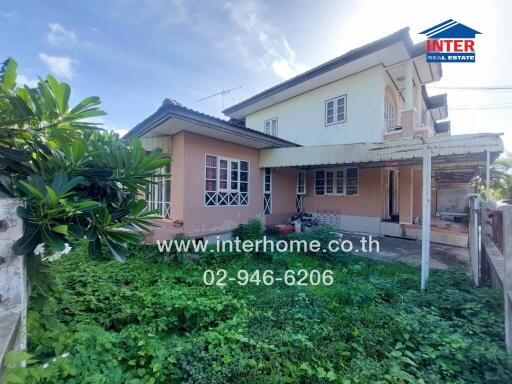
221 94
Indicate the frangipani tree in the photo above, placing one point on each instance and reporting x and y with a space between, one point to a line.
78 181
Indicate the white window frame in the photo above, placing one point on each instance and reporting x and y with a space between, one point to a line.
158 195
389 113
303 172
335 115
335 181
271 126
230 190
267 193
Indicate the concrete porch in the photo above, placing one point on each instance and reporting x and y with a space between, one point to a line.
409 251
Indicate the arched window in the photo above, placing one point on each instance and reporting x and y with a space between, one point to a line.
391 120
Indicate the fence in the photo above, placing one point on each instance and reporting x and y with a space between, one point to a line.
490 248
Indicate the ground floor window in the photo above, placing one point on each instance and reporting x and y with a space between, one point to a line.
301 182
337 181
267 191
159 193
226 181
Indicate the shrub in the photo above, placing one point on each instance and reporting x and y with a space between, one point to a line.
150 322
323 234
272 231
253 230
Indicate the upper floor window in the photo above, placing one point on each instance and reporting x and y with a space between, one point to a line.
271 126
389 113
337 182
336 110
226 181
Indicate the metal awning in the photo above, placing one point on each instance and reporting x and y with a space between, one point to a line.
454 158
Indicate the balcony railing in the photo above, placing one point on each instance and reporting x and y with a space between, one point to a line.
392 125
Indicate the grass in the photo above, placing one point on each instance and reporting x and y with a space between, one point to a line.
147 321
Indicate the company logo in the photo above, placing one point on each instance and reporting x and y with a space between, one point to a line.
450 42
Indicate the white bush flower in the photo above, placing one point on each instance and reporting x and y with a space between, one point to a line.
58 255
39 250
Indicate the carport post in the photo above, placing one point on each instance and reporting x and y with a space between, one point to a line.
425 223
487 176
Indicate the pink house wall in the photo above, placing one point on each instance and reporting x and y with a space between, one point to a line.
369 202
199 219
187 197
417 194
284 191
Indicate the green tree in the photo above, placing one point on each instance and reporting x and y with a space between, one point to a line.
78 181
501 178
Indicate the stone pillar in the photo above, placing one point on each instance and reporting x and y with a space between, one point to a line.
408 122
405 196
13 281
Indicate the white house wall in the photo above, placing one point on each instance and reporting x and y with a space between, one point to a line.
302 118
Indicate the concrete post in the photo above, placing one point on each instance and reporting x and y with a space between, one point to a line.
487 175
507 284
474 237
425 223
13 281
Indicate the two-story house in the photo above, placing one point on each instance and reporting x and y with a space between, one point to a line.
344 141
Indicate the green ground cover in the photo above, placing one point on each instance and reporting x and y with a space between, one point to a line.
150 321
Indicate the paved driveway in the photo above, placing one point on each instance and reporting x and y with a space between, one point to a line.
409 251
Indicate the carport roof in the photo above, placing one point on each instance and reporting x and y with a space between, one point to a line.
454 158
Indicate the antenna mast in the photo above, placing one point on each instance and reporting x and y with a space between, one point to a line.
221 94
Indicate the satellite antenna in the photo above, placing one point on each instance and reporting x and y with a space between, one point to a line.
221 94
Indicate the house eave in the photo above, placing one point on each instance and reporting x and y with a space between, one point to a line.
457 151
399 45
161 123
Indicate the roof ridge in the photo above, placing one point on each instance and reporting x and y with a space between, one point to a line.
181 106
402 33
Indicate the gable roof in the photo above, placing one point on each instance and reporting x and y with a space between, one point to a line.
194 121
450 29
402 36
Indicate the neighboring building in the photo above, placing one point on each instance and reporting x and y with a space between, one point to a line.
343 141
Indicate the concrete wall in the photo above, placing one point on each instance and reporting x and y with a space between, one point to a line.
302 118
13 281
417 195
455 200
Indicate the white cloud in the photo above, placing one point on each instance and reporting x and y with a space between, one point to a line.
24 80
59 65
259 42
121 132
60 36
243 29
108 126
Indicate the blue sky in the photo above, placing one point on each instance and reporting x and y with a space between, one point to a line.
133 54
